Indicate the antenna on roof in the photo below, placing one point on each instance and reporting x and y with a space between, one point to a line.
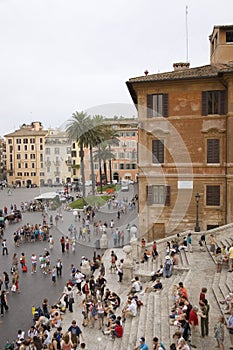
186 30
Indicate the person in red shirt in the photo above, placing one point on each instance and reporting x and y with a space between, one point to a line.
117 330
193 321
202 294
182 291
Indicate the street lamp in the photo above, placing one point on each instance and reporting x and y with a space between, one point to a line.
197 227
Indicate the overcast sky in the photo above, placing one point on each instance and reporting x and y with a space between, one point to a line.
61 56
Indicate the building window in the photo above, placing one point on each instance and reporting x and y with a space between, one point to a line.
19 165
19 174
122 155
158 194
122 166
9 141
26 174
18 141
25 156
25 140
42 174
48 169
32 156
213 148
134 166
56 150
47 151
33 174
26 165
213 195
41 140
18 148
157 151
229 37
18 156
214 102
33 165
41 147
11 149
32 147
68 150
157 105
25 147
32 140
115 166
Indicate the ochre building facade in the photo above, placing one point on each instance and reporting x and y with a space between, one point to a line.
185 143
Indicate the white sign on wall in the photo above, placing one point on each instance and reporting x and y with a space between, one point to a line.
185 185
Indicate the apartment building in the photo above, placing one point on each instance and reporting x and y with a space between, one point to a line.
25 155
58 161
185 143
123 165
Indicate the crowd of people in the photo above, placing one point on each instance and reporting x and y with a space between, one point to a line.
100 306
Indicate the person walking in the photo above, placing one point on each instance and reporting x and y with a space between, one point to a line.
230 328
189 242
219 332
3 302
54 275
120 270
6 281
4 247
59 267
62 241
34 263
193 321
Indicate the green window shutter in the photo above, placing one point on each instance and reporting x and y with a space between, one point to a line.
167 195
204 103
165 105
149 106
149 190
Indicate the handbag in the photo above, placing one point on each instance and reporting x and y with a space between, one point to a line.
13 288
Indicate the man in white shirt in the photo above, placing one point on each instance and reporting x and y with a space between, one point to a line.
130 310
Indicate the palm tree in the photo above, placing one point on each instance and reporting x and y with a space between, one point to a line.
96 135
103 154
78 130
112 140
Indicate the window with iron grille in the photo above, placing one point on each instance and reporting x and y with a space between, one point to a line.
213 195
213 151
157 151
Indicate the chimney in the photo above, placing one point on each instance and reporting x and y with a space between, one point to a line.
181 65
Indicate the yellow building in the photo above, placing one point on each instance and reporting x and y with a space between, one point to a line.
25 155
185 137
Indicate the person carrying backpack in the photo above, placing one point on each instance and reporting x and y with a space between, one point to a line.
167 269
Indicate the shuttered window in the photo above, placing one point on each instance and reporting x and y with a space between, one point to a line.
157 105
157 151
214 102
213 151
213 195
158 194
